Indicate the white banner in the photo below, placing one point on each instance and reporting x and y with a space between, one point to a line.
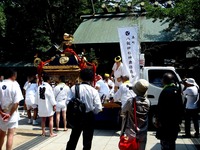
129 46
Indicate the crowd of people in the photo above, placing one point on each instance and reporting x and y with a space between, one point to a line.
43 100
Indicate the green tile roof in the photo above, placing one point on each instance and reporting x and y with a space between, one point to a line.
16 64
104 30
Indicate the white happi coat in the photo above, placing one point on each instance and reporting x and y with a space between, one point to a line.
31 94
112 84
124 93
103 88
45 100
118 72
10 94
26 85
62 94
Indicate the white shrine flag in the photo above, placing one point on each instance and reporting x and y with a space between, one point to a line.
129 47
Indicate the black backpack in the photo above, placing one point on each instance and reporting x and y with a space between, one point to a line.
75 110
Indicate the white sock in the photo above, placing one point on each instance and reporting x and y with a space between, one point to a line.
34 121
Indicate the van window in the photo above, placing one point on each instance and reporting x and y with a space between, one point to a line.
155 77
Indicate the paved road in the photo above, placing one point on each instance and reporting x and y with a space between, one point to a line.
28 137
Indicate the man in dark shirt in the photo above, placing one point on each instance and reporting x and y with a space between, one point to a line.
169 116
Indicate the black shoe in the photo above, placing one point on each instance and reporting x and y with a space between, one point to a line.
186 136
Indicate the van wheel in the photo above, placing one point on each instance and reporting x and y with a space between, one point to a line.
152 118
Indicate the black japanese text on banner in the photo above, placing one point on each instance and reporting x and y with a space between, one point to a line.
129 47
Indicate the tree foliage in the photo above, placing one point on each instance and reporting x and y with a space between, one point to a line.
30 25
2 21
184 14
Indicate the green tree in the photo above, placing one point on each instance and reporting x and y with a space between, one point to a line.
183 15
37 24
2 20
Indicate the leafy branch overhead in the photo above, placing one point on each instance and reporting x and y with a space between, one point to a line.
184 14
2 21
30 25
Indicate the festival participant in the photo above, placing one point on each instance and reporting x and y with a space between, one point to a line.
46 104
10 95
117 71
30 100
25 87
102 88
62 93
1 78
110 84
124 93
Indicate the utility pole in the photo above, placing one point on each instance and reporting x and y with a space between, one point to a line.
93 7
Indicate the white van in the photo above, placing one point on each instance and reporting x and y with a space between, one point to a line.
154 75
